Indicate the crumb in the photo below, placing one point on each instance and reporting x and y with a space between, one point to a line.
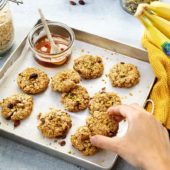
106 75
103 89
130 94
56 140
82 50
69 152
39 115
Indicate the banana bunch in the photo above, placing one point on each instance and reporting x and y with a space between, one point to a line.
156 19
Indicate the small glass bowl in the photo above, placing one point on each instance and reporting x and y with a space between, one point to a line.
56 28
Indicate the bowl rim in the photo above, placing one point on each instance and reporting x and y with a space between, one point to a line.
64 26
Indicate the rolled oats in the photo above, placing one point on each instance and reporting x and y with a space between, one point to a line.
6 29
65 81
124 75
81 141
17 107
89 67
33 81
102 101
100 123
75 100
55 123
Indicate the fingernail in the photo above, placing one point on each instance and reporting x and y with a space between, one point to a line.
93 140
109 110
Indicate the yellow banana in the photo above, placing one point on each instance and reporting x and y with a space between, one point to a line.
155 36
162 24
160 8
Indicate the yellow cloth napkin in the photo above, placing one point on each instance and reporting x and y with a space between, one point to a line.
160 93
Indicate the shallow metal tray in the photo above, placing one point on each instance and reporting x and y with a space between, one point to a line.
112 53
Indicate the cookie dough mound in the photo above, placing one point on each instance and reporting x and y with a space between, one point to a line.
33 81
89 67
65 81
124 75
100 123
55 123
102 101
75 100
17 107
81 141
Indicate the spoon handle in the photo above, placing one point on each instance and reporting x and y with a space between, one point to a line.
53 46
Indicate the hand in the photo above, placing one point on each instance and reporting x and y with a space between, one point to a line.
146 143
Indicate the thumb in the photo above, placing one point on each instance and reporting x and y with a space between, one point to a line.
112 144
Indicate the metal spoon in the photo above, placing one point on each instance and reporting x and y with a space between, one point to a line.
54 48
16 1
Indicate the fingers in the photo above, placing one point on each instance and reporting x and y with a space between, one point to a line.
136 106
122 110
112 144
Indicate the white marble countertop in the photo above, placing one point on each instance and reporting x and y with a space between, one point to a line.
101 17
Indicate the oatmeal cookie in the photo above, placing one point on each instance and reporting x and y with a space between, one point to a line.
55 123
124 75
65 81
81 141
89 67
100 123
32 81
102 101
17 107
75 100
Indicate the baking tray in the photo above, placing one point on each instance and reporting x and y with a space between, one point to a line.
112 53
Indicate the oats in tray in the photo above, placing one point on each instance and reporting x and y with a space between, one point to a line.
124 75
65 81
17 107
76 100
102 101
33 81
81 141
100 123
55 123
6 28
89 67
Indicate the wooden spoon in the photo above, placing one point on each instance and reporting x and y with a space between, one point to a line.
54 48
